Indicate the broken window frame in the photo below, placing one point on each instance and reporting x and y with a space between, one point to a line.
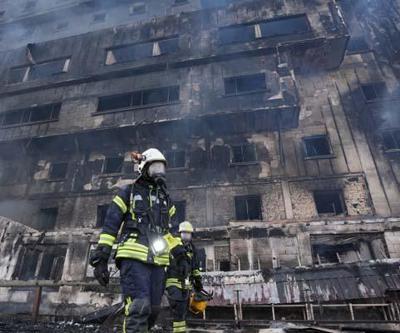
307 139
379 89
247 215
242 148
172 157
105 168
55 165
135 94
154 45
52 213
29 68
56 252
257 28
235 80
343 244
393 136
25 115
339 199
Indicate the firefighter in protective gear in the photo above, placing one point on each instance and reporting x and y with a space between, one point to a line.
182 274
140 213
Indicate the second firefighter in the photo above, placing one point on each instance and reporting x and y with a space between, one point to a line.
182 273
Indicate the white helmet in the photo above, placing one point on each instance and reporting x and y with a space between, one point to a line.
185 226
149 156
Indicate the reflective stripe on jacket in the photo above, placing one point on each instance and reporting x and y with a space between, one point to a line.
129 211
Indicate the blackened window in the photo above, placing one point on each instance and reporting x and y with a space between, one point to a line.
329 202
225 265
236 34
135 52
285 26
176 159
28 264
391 140
139 98
137 8
101 215
52 264
48 218
30 115
181 2
113 164
58 170
180 214
48 69
327 254
357 45
317 146
373 91
248 207
168 45
244 84
17 74
115 102
244 153
98 18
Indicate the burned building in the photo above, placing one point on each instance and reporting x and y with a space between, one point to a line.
279 122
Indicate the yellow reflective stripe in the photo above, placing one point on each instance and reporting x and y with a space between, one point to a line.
179 326
161 261
120 203
172 241
132 255
179 323
106 239
173 282
172 211
127 305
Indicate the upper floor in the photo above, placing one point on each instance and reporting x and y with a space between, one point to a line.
180 40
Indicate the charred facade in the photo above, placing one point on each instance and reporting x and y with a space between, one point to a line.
279 122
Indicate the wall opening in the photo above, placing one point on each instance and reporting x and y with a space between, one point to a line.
245 84
317 146
47 218
248 207
329 203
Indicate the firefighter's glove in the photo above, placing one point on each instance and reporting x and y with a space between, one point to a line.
197 285
99 260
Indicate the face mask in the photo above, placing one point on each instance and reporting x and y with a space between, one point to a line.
186 236
156 170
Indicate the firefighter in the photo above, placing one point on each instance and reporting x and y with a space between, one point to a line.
140 213
182 274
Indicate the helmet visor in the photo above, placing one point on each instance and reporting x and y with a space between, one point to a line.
156 169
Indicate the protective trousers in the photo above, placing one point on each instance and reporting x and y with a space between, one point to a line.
142 286
179 303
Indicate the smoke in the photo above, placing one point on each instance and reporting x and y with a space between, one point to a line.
20 211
